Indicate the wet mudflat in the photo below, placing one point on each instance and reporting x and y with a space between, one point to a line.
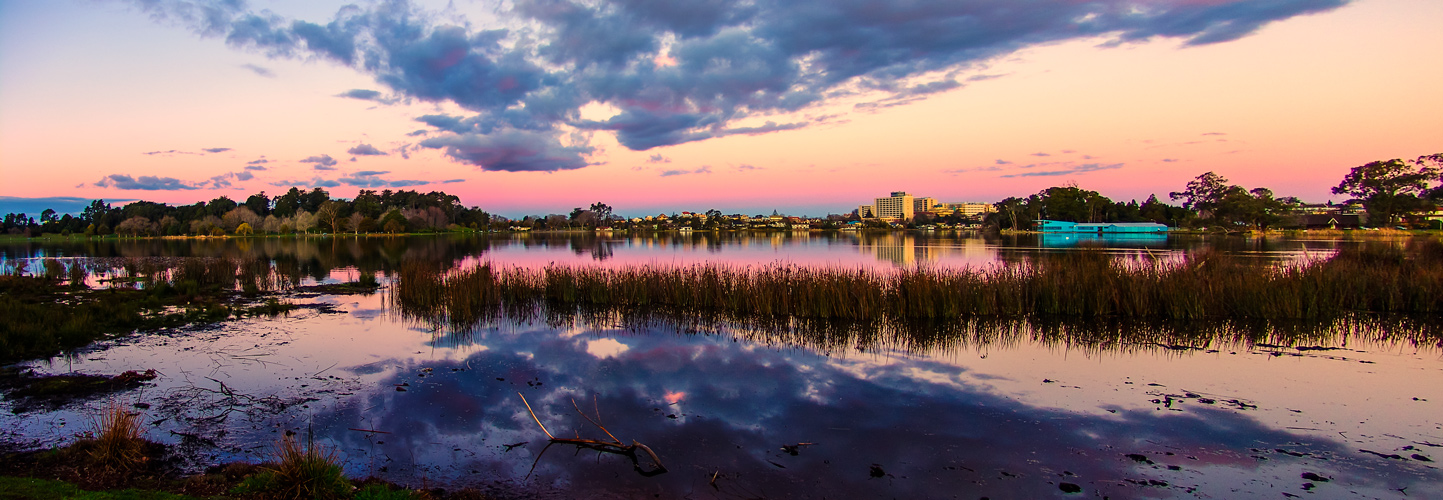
738 411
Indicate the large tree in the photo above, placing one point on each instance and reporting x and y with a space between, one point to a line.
1204 193
332 215
603 213
1070 203
1390 189
259 204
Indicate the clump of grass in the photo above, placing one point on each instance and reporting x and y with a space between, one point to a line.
301 471
368 280
118 446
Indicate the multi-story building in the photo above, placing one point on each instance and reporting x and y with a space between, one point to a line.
903 206
898 206
924 204
967 209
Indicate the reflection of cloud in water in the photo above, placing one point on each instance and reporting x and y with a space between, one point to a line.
605 348
931 434
368 313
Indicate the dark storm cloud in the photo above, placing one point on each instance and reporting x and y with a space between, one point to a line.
144 183
511 151
687 71
365 150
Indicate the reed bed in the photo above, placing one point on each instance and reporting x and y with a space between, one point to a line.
1087 299
1086 284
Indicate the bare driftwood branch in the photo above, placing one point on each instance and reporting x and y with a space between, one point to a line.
614 446
533 417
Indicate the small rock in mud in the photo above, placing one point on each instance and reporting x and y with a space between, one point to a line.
794 449
1314 477
1139 458
1069 488
1421 458
876 471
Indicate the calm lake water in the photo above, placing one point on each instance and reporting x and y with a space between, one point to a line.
740 413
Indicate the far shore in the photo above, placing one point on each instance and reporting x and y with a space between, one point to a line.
1346 233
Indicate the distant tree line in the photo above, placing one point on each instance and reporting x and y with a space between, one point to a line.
296 211
1391 192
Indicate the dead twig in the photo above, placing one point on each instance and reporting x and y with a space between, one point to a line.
614 446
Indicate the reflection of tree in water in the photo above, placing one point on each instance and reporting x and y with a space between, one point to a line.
294 257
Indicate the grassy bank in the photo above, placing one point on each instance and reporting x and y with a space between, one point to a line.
114 461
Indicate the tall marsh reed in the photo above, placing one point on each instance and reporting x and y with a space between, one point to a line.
1084 284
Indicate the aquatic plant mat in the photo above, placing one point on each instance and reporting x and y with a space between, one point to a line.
68 305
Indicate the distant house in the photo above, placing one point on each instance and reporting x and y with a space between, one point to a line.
1057 226
1332 221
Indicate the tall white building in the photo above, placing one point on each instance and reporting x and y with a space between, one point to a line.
898 206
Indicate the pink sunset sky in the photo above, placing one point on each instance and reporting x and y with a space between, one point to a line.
803 106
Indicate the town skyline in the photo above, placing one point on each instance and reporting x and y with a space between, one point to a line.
145 101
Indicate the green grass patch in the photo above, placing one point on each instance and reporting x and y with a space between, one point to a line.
46 489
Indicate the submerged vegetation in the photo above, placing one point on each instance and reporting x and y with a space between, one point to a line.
58 310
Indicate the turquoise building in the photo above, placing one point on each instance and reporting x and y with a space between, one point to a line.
1057 226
